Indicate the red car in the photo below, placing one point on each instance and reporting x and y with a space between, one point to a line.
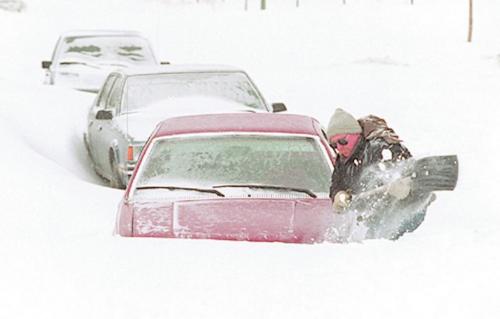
253 177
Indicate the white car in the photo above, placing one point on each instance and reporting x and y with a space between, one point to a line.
133 101
83 59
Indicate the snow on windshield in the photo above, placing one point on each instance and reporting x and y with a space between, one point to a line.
146 90
289 161
128 49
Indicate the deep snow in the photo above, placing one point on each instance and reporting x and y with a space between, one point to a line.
410 64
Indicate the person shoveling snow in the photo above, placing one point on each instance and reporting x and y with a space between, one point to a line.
376 184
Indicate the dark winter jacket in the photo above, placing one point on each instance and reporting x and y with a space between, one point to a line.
376 138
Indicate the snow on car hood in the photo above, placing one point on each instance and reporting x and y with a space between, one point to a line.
139 124
283 220
86 74
88 77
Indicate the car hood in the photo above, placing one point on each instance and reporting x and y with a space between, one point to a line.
139 125
86 77
87 74
282 220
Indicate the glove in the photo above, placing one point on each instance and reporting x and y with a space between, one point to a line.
341 201
400 188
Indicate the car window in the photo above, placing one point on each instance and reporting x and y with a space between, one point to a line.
103 95
145 91
290 161
106 49
115 96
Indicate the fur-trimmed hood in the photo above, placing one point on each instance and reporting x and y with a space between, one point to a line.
376 127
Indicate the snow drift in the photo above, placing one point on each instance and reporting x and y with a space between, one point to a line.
409 64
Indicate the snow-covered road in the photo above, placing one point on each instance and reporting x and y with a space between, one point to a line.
408 64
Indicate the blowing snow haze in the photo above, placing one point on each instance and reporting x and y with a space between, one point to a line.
410 64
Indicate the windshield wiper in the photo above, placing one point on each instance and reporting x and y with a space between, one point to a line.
294 189
71 62
202 190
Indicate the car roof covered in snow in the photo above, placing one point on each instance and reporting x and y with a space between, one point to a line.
89 33
177 68
239 122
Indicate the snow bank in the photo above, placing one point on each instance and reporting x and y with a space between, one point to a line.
407 63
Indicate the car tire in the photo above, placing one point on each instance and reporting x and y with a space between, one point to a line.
115 180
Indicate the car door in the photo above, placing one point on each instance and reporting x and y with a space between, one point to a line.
95 126
110 135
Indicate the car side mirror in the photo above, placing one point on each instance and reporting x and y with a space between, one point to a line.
46 64
278 107
164 62
104 115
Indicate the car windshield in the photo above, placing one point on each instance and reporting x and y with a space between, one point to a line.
118 49
144 91
288 161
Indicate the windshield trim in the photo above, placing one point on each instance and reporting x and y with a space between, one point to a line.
252 84
151 145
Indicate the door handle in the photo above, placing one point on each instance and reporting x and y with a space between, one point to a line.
99 127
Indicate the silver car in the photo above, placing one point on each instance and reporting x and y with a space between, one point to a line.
133 101
83 59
